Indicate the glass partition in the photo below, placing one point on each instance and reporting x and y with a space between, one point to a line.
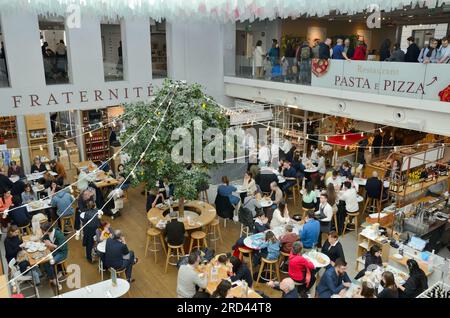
112 51
159 50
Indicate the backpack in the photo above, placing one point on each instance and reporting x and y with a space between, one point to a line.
206 254
245 217
305 53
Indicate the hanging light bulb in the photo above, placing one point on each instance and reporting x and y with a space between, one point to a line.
322 143
307 136
268 128
90 134
381 130
326 138
66 142
6 132
41 148
114 123
77 235
362 134
346 147
345 137
370 149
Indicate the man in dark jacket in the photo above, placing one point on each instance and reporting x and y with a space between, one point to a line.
174 230
324 49
286 286
19 214
413 51
374 186
118 256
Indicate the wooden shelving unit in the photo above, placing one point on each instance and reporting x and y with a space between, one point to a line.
8 124
37 132
97 145
364 245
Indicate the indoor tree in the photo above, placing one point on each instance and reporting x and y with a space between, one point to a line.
175 105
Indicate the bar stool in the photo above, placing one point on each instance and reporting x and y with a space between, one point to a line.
152 235
244 252
198 240
244 230
372 202
121 273
273 268
335 219
354 217
283 256
214 232
125 195
203 196
178 249
27 229
62 264
304 211
71 221
296 191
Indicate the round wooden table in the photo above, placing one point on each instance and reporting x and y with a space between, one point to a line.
205 214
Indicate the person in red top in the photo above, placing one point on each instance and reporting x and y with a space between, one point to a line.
360 52
301 270
287 239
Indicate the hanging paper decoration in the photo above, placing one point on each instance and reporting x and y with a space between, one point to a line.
217 10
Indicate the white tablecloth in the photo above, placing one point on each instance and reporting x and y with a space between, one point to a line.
103 289
45 206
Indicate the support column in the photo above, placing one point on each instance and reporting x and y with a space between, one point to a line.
77 116
51 148
23 142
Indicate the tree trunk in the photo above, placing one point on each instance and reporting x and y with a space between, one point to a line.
181 206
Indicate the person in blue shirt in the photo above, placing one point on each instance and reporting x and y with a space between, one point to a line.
226 190
290 174
309 235
334 281
61 200
338 50
269 249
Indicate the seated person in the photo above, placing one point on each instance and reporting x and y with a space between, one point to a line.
374 186
309 197
416 283
390 289
261 222
54 240
298 165
240 271
5 200
226 190
166 188
309 235
298 269
288 239
276 195
249 183
372 257
47 180
19 214
28 195
280 216
367 290
269 249
61 200
345 169
84 179
335 281
22 260
222 290
333 248
289 174
252 202
153 198
174 231
335 180
121 177
353 183
60 170
15 170
118 256
286 286
12 243
189 279
265 178
37 166
103 232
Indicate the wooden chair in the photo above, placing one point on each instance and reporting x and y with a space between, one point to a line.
273 268
243 252
71 221
348 219
198 240
244 230
214 232
178 249
152 235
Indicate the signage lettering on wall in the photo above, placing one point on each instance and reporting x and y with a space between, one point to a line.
68 98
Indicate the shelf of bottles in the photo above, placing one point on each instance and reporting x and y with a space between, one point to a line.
97 141
8 127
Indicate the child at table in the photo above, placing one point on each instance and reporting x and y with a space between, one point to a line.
24 266
269 249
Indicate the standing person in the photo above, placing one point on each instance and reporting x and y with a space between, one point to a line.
443 54
325 215
360 52
298 269
258 57
416 283
315 49
304 63
338 49
335 281
413 51
118 256
289 54
428 54
376 143
385 50
58 168
188 278
333 248
274 53
90 230
397 55
263 154
348 50
324 49
390 289
310 232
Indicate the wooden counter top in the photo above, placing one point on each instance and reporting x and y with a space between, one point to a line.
420 186
4 292
206 214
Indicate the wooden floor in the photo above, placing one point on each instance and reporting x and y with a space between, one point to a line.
151 281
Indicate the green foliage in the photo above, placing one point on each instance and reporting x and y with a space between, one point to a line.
187 103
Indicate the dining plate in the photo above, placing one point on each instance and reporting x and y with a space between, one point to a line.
398 256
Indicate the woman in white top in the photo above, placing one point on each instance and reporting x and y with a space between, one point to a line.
280 218
249 183
321 164
258 56
350 197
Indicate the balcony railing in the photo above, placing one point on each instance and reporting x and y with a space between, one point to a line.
401 79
